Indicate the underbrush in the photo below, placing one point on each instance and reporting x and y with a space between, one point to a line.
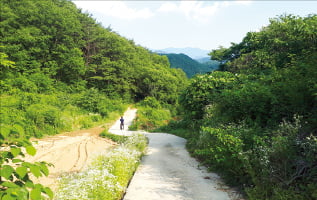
48 114
176 127
108 175
267 163
150 115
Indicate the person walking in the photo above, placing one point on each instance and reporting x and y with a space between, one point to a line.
121 123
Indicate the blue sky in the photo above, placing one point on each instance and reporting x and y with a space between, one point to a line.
197 24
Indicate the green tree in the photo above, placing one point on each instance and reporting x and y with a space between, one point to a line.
248 115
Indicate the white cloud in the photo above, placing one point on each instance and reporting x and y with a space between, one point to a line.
245 2
200 11
193 10
116 9
168 7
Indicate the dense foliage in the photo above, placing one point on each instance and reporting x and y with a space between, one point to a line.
60 71
52 42
190 66
151 115
255 122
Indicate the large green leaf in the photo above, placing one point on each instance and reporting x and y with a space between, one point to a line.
36 194
49 192
17 160
8 197
21 171
35 170
6 171
9 185
15 151
29 184
44 169
31 150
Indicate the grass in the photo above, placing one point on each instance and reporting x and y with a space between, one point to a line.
116 138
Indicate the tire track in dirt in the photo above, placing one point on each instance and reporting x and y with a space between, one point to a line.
82 156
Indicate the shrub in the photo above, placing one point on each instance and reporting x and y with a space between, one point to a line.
150 102
150 118
220 149
44 114
284 167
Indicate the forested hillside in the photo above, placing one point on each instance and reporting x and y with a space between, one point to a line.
189 65
60 71
255 122
51 47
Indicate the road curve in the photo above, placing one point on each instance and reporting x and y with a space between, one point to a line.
167 172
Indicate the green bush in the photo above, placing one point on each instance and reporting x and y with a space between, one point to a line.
176 127
150 102
150 118
220 149
22 83
46 114
94 101
42 114
42 82
277 164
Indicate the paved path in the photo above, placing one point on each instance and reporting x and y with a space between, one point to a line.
167 172
128 117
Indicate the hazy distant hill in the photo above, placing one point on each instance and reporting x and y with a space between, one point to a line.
204 60
189 65
194 53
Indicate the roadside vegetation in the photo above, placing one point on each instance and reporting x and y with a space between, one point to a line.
108 176
151 115
255 122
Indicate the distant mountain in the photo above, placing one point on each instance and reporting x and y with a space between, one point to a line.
204 60
194 53
189 65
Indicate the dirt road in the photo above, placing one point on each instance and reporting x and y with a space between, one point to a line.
128 117
168 172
